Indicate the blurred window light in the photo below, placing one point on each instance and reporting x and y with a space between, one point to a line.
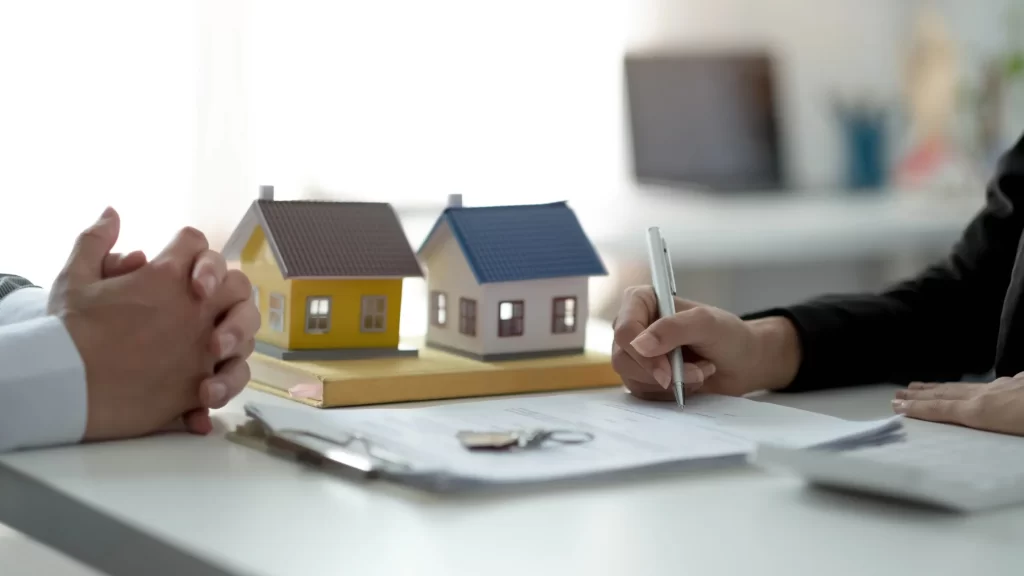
174 112
97 109
409 101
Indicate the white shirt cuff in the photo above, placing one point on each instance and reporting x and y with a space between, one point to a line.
43 398
23 304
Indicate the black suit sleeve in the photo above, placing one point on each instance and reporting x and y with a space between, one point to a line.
938 326
9 283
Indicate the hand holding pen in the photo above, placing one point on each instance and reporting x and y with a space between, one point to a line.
722 353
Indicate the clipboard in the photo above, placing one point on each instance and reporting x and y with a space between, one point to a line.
353 457
346 455
422 447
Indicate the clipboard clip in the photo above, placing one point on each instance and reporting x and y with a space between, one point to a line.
348 454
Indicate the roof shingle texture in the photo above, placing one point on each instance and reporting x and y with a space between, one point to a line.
530 242
337 239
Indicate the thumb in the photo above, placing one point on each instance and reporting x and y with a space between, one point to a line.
85 265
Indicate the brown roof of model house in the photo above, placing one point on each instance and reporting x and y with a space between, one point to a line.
320 239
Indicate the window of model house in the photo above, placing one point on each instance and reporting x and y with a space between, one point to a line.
563 320
510 318
374 313
467 316
275 317
318 314
439 308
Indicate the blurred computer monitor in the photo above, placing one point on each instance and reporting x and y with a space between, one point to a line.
704 119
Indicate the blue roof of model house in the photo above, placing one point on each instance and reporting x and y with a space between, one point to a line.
528 242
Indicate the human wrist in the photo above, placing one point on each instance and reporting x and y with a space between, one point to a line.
83 335
777 352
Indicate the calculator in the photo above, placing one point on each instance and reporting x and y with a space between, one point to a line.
943 466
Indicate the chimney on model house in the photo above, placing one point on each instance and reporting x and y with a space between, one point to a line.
455 200
266 192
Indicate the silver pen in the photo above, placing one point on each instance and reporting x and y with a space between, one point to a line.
664 281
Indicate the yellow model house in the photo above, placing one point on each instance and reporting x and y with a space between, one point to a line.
327 276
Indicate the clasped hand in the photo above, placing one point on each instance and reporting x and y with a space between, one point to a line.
163 341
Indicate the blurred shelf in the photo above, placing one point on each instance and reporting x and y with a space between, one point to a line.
781 228
764 228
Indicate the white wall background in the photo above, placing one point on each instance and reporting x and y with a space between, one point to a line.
408 101
97 108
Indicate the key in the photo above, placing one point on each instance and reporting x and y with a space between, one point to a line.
491 440
488 440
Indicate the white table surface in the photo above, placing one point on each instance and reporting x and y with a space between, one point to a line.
188 505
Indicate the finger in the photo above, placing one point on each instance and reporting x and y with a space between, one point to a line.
638 308
948 411
640 303
632 320
627 367
943 392
690 327
219 389
707 370
657 369
115 264
682 304
174 426
648 392
186 246
85 264
694 373
922 385
239 326
234 289
207 273
198 421
247 349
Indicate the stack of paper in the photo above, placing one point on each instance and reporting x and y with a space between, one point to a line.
629 434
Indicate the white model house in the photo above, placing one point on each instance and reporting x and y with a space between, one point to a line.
508 282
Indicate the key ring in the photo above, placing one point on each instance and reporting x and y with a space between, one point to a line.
563 436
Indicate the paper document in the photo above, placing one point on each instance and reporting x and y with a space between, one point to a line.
628 433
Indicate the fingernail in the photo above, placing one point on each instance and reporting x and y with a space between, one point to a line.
663 377
209 284
708 370
227 344
107 213
215 393
645 343
901 394
900 406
